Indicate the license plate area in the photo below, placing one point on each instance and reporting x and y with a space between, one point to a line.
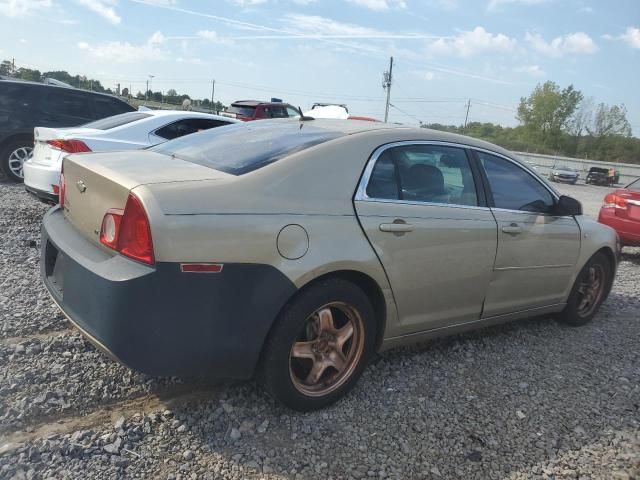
54 268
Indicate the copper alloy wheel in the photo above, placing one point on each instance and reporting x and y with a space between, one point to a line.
591 289
328 349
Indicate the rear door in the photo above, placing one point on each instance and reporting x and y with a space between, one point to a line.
537 250
423 212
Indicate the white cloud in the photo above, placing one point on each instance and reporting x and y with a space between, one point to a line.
472 42
20 8
533 70
429 75
578 43
124 52
104 8
632 37
379 5
313 24
248 3
494 4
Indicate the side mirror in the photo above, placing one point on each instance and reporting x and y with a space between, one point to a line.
568 206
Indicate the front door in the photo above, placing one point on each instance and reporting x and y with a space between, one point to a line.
537 251
428 223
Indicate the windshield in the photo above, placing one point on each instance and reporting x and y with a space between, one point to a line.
244 147
116 120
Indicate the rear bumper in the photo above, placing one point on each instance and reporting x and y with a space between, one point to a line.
47 197
627 230
156 319
41 178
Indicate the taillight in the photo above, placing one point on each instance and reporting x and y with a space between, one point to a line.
613 200
71 146
128 231
63 187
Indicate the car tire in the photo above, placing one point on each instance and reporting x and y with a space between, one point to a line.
12 157
319 345
591 288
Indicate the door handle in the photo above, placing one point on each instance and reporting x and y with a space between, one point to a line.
396 227
513 229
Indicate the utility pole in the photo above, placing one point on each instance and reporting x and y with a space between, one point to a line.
146 92
213 89
386 83
466 118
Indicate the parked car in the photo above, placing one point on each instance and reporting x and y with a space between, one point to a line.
337 112
297 249
248 110
602 176
25 105
563 174
621 211
127 131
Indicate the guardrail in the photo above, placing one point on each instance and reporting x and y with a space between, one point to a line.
544 163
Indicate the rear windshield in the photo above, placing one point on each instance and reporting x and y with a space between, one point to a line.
244 147
116 120
634 185
244 111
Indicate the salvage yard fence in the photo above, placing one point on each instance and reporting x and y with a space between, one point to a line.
544 164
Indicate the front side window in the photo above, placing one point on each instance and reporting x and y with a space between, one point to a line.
107 107
513 188
423 173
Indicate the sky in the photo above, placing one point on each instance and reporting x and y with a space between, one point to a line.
446 52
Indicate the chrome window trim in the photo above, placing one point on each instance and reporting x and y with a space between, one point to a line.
361 192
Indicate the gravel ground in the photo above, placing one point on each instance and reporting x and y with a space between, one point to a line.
531 399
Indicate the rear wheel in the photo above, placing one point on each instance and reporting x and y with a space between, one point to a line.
590 290
12 158
319 345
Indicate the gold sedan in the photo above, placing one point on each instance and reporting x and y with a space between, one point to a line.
296 249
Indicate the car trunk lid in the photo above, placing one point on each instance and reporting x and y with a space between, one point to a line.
95 183
631 202
43 152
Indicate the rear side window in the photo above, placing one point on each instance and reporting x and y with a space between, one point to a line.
67 102
280 112
423 173
187 127
244 147
107 107
117 120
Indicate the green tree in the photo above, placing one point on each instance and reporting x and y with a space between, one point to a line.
6 67
546 113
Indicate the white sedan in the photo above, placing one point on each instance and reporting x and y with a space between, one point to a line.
127 131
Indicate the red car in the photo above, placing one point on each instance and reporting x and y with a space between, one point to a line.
621 211
248 110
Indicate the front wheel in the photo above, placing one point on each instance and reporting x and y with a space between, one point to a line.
590 290
319 345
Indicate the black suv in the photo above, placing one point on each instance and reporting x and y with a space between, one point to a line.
26 105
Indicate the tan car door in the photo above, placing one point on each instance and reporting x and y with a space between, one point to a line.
537 251
421 211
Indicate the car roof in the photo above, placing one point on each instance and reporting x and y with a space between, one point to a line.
188 113
48 85
351 127
253 103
